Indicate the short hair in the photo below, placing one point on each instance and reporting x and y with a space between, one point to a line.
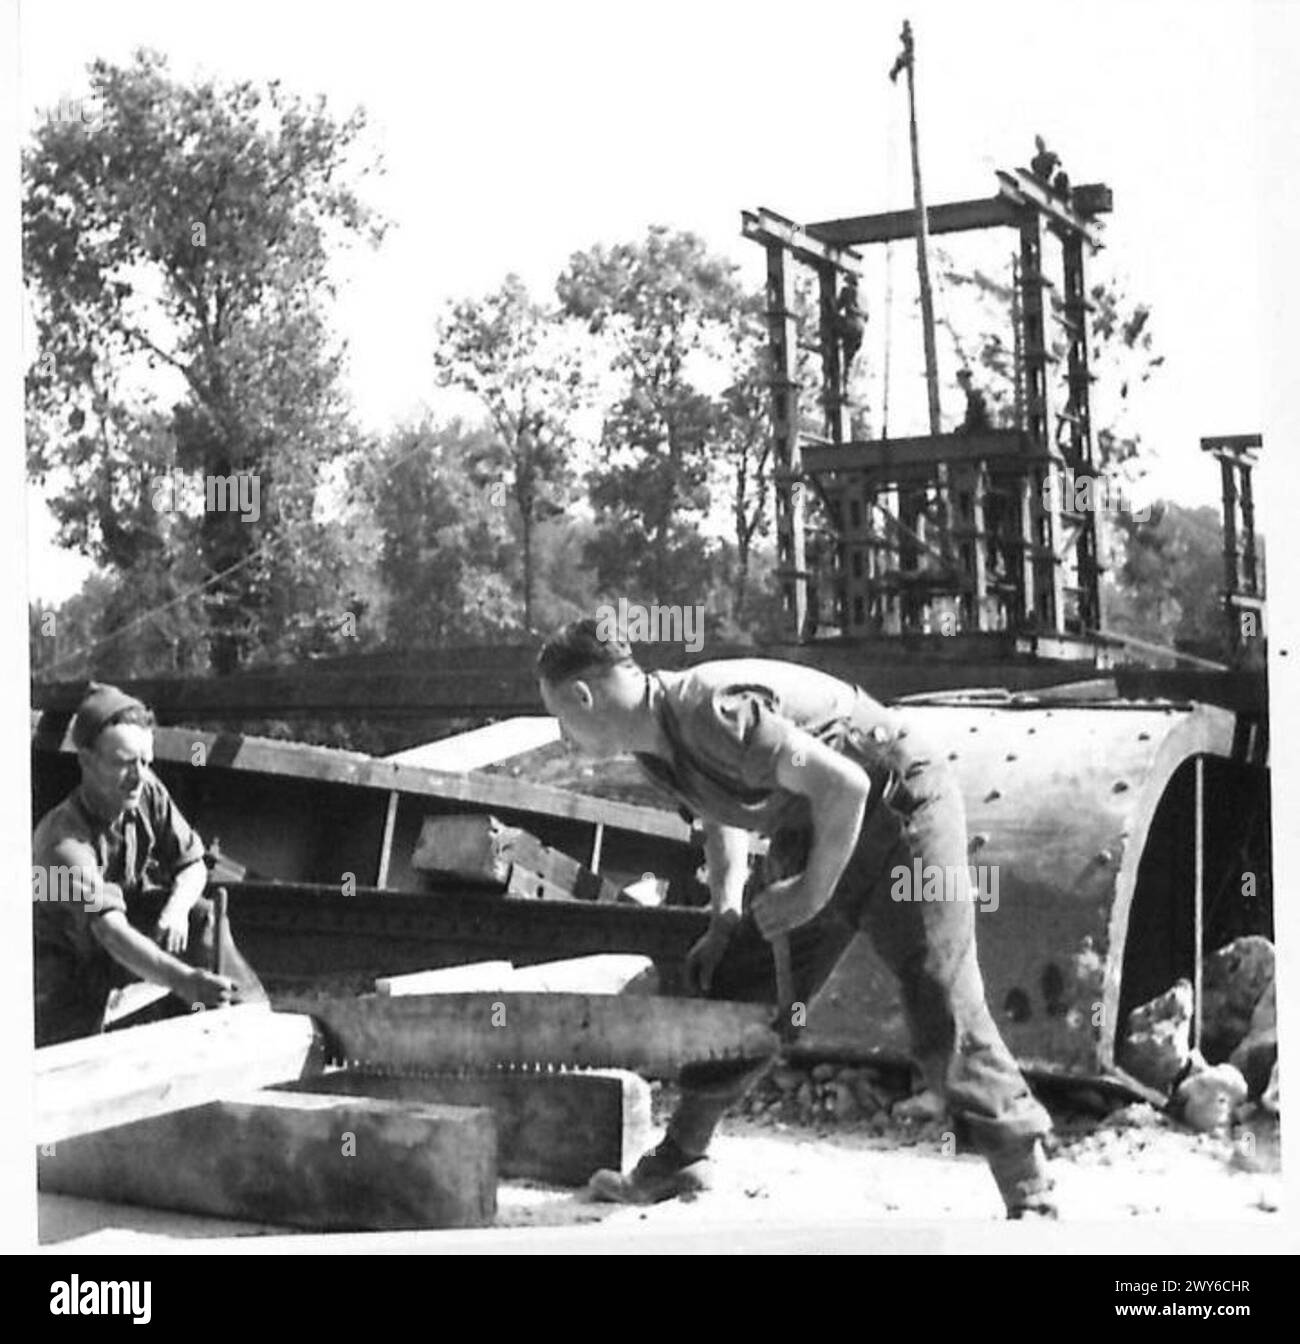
105 706
582 646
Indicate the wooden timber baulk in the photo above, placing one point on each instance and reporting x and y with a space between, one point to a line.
1081 809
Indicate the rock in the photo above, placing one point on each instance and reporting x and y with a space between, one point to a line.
1235 977
1257 1053
1138 1115
823 1073
1270 1100
1157 1043
869 1100
803 1099
846 1104
1208 1098
925 1105
787 1079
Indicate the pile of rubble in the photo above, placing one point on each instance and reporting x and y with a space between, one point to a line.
1236 1065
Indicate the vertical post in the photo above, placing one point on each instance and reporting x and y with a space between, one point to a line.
1018 344
835 409
922 237
386 844
1250 567
1078 410
1231 554
1049 598
1198 937
783 342
597 844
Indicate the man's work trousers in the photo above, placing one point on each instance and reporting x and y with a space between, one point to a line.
72 991
929 946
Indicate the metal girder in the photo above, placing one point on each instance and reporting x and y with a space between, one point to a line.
766 226
1023 189
302 929
955 217
921 450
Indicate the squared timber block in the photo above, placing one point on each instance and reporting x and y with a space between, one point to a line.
554 1127
96 1082
480 848
315 1161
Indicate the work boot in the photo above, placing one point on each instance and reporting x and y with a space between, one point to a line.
1027 1185
665 1172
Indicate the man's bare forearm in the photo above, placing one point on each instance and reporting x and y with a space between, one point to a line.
839 814
188 887
726 853
141 955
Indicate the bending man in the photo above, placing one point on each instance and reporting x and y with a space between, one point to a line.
847 793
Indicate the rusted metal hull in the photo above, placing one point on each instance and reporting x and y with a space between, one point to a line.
1083 819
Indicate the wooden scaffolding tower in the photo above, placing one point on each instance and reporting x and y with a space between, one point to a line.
979 527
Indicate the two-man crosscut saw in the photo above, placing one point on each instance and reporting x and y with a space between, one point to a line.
441 1033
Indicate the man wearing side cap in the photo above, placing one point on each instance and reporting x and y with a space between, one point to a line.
118 878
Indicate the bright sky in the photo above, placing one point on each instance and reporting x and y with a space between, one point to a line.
515 134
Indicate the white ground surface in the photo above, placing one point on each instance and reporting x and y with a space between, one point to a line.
794 1189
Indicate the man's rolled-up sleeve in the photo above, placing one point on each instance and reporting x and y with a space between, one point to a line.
178 843
746 736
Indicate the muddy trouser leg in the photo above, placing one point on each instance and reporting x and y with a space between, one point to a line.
930 946
746 974
71 993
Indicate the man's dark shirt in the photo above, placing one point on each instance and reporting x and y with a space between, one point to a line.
90 866
730 722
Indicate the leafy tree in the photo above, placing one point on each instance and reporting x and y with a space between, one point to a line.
181 241
512 354
445 549
1169 586
665 306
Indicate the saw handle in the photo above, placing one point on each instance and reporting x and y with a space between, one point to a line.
784 987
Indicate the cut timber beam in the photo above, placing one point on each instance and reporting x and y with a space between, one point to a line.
112 1079
955 217
766 226
328 1163
558 1127
476 975
1023 189
610 973
922 450
478 848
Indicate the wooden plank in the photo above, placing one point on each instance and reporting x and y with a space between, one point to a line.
885 455
953 217
479 848
386 843
556 1127
101 1081
604 973
234 751
1021 188
321 1162
477 975
766 226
